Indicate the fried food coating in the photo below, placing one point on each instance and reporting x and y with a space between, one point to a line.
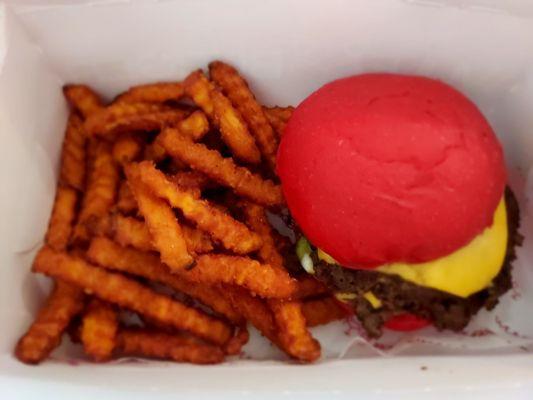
165 230
158 92
236 88
322 311
62 219
293 334
161 345
110 255
278 118
132 117
100 194
222 170
224 116
233 235
73 154
45 333
83 99
128 293
260 279
99 329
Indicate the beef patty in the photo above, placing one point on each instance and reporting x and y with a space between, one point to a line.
445 310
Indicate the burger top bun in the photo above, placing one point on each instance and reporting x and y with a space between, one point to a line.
381 168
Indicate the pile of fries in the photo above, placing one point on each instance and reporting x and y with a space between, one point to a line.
161 211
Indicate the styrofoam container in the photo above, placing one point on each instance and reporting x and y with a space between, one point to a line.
286 49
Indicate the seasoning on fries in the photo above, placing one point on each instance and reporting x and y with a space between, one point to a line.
161 211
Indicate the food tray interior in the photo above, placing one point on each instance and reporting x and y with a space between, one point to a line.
286 50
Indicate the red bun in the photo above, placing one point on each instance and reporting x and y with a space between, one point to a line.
380 168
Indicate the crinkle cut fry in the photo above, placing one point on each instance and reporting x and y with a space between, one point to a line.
195 126
309 287
127 293
278 118
83 99
293 334
192 180
99 329
322 311
279 113
129 231
232 234
45 333
261 279
153 344
236 88
256 219
126 203
110 255
253 309
73 153
232 128
222 170
158 92
127 148
62 218
165 230
131 117
236 343
100 194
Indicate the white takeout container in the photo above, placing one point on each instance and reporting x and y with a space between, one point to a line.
286 49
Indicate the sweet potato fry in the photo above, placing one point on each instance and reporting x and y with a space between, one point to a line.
236 343
228 120
256 219
125 117
195 126
236 88
222 170
279 113
261 279
83 99
127 293
99 330
197 241
278 118
126 203
73 160
253 309
45 333
152 93
296 340
110 255
322 311
129 231
100 194
309 287
192 180
126 149
136 342
165 230
232 234
62 218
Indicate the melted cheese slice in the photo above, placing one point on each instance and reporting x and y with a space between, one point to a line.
463 272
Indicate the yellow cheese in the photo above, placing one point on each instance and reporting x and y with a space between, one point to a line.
373 300
466 271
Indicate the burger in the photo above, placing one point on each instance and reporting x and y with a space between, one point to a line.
398 188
